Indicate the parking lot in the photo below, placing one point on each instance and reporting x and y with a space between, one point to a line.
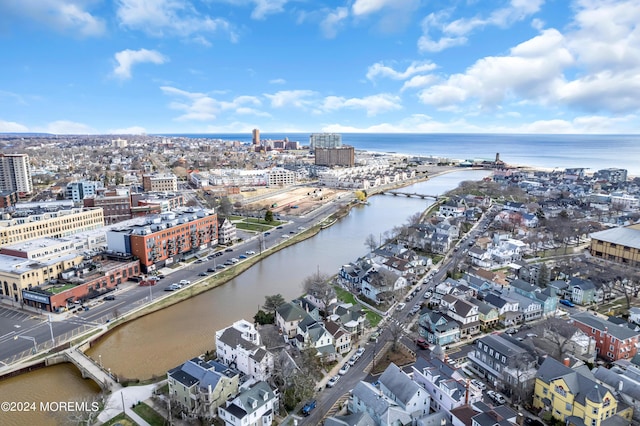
13 320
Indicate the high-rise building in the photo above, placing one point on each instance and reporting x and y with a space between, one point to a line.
256 136
325 140
343 156
15 173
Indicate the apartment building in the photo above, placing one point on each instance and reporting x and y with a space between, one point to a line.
38 223
279 177
239 346
256 406
159 183
340 156
78 191
166 238
15 173
613 341
325 140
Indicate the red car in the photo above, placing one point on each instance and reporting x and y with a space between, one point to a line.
422 343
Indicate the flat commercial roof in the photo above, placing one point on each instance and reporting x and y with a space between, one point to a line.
628 237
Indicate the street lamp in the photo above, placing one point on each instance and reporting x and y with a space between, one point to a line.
53 340
33 339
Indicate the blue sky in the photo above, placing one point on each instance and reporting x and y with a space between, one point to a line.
228 66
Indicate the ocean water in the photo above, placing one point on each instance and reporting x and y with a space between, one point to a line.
592 152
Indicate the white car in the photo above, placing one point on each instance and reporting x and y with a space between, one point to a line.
185 282
359 352
353 360
344 369
250 252
332 381
477 383
400 306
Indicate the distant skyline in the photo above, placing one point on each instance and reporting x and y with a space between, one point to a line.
381 66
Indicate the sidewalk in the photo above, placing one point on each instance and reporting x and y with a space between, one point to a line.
128 397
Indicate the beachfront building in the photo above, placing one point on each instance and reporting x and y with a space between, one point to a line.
37 222
166 238
325 140
15 173
342 156
160 183
621 245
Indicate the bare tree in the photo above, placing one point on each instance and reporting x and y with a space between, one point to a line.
319 285
371 242
522 368
396 330
557 334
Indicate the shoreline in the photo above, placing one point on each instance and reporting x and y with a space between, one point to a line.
94 336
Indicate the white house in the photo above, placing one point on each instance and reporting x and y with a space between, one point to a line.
256 406
239 346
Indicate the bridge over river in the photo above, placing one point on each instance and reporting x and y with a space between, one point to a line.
413 194
90 370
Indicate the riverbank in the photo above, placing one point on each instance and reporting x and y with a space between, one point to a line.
327 215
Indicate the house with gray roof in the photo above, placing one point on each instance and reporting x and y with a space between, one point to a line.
531 309
624 382
503 361
437 328
239 346
288 316
584 292
384 411
200 387
448 387
465 313
547 298
397 386
256 406
356 419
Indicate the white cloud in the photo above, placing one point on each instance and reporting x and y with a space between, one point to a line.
455 33
380 70
278 81
128 58
366 7
12 127
169 17
202 107
63 15
65 127
133 130
373 105
295 98
533 70
332 22
418 81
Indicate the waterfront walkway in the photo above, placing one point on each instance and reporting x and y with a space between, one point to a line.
123 400
90 369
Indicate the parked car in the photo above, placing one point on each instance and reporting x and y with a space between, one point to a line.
567 302
400 306
249 252
374 336
421 343
511 331
353 360
332 381
202 274
359 352
211 269
477 383
532 335
185 282
498 398
308 407
229 250
344 369
242 256
110 297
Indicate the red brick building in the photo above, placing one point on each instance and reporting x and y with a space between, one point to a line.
166 238
613 341
98 276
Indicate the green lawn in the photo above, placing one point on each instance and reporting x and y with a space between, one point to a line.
121 419
60 289
253 227
149 414
347 297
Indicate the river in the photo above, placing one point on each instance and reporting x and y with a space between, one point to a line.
151 345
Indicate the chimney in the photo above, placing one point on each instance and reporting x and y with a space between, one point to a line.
620 384
566 361
520 419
